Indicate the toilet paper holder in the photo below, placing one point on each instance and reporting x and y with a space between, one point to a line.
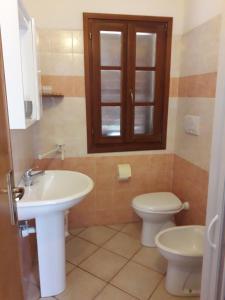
124 172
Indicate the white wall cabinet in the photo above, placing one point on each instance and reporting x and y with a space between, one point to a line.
21 65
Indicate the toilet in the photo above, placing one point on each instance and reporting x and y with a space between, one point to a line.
182 246
157 211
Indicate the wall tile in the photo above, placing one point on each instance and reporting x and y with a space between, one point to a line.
203 85
190 183
62 41
110 200
22 151
199 50
195 149
69 86
44 41
78 44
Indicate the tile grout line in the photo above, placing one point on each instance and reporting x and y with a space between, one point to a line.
149 268
129 260
103 242
77 233
158 284
86 257
102 246
109 282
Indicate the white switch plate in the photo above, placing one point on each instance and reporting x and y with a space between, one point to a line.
192 124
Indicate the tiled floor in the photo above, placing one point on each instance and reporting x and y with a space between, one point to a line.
109 263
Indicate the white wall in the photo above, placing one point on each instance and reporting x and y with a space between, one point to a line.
67 14
200 11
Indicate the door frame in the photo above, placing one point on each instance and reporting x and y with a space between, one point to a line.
216 189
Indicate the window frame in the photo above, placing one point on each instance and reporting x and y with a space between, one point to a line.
129 143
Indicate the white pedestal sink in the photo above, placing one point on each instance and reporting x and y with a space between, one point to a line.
46 201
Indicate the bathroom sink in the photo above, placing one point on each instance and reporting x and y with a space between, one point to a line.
46 201
53 191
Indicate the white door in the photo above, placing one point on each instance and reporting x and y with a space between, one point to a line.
213 276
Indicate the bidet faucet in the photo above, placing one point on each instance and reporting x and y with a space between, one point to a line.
29 174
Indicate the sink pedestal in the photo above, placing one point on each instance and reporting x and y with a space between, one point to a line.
46 201
51 253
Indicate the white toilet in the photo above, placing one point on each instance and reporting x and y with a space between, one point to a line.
157 211
182 246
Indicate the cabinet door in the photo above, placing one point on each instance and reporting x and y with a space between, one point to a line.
20 63
146 80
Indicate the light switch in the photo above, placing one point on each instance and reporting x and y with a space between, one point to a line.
192 124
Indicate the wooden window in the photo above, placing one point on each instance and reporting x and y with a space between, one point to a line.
127 67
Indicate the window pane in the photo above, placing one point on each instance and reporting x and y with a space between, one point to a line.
110 43
143 119
110 121
110 86
144 86
145 49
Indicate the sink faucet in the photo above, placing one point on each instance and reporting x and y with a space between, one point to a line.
28 176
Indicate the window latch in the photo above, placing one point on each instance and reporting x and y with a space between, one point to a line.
132 96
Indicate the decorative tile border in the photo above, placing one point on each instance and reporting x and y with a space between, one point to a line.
69 86
203 85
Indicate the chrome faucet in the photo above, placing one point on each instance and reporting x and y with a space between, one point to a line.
29 174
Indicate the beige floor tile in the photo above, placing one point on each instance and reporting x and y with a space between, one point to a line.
76 231
112 293
117 227
123 244
97 234
69 267
150 257
103 264
81 286
78 249
161 294
133 229
137 280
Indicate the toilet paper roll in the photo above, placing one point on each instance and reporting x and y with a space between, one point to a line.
124 172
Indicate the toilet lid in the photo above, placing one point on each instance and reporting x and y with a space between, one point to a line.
157 202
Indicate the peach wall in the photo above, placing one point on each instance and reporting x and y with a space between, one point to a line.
190 183
110 201
202 85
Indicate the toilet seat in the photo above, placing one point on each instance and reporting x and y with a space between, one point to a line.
157 203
